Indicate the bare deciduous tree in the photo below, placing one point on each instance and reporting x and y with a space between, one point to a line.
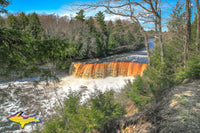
135 11
139 11
157 14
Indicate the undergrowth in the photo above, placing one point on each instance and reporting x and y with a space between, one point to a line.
91 115
161 76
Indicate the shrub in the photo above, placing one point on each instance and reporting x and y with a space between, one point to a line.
190 71
138 93
105 107
91 115
73 117
193 70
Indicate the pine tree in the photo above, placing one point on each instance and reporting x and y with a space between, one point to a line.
12 22
90 23
80 15
34 26
119 31
100 20
110 27
23 21
2 21
103 35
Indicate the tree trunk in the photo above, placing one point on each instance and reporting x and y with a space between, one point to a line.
147 46
156 18
160 39
144 33
188 30
198 26
156 12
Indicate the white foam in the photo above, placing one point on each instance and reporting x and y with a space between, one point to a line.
67 83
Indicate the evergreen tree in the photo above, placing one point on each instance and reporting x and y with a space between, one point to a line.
100 20
34 26
2 21
102 38
80 15
119 31
90 23
12 22
14 51
129 38
23 21
110 27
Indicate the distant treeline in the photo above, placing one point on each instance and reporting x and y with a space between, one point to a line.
88 38
29 41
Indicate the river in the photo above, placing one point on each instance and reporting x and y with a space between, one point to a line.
22 95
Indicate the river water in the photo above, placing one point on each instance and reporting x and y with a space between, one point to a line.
22 95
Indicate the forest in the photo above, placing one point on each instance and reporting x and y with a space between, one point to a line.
34 40
41 45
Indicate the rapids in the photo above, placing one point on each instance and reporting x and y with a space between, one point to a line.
112 72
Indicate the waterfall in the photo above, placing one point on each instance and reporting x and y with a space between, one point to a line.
128 64
102 70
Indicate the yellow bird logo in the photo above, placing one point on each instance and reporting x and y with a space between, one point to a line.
23 120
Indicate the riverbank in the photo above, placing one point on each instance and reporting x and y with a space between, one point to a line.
37 98
177 111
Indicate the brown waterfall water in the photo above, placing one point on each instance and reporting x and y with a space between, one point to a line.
102 70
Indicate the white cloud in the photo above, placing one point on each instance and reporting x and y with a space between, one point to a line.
68 15
114 17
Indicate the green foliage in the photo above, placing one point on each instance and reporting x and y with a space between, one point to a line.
112 43
23 21
191 71
110 27
52 49
105 108
3 4
100 19
159 76
101 35
12 22
80 15
85 117
19 53
24 49
14 49
158 80
2 21
90 23
138 93
34 27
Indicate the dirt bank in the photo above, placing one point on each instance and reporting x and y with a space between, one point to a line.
177 112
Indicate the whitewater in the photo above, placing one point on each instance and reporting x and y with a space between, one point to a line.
41 100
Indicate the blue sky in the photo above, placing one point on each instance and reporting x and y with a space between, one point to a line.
28 5
60 7
42 6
